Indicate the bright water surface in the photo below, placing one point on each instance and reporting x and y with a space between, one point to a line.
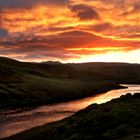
12 121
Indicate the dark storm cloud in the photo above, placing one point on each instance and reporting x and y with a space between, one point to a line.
57 46
57 29
84 12
134 10
137 7
123 31
3 32
58 2
101 27
54 44
28 3
115 3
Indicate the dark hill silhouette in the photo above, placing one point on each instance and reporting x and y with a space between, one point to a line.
31 84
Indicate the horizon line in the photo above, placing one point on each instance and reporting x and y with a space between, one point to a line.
57 61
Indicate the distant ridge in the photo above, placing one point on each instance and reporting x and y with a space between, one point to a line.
51 62
7 59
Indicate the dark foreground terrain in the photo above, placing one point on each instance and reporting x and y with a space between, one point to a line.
118 119
32 84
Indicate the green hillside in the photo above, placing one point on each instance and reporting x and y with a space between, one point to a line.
32 84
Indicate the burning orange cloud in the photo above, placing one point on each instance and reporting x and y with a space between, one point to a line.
68 30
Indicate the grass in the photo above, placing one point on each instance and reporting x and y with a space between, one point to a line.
35 90
32 84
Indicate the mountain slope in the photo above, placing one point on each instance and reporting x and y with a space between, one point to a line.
32 84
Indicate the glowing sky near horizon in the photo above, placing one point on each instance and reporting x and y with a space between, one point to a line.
70 30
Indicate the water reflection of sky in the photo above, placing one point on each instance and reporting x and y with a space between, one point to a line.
17 122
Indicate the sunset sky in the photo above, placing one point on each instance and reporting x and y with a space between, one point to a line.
70 30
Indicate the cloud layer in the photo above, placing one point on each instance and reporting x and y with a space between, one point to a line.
4 4
37 30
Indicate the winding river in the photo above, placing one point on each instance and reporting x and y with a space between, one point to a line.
13 121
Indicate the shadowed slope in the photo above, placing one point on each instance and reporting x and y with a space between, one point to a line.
113 120
32 84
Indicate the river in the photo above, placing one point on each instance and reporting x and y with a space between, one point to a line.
13 121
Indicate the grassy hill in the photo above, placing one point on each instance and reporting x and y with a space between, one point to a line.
115 120
31 84
118 72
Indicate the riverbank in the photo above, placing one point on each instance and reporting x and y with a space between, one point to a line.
29 85
116 119
92 89
33 84
15 121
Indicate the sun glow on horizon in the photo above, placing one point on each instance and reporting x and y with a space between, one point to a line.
128 57
98 49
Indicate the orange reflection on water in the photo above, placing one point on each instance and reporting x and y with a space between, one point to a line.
17 122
